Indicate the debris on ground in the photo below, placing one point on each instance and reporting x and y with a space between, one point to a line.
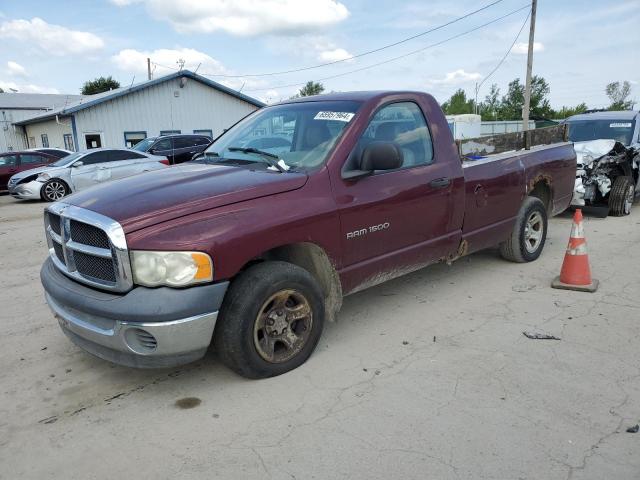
404 342
633 429
539 336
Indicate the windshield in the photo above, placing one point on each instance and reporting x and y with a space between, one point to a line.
64 161
143 145
585 130
301 134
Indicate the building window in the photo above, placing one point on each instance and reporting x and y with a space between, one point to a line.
208 133
32 142
133 138
169 132
68 142
45 140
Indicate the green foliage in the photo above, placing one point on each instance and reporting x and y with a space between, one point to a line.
99 85
490 108
566 112
458 104
1 90
311 88
619 93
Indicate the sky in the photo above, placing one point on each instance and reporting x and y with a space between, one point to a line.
581 45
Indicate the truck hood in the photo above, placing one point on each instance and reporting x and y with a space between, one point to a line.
154 197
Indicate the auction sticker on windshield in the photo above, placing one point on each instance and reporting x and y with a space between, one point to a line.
341 116
620 125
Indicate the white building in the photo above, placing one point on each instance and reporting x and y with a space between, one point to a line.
183 102
464 126
15 107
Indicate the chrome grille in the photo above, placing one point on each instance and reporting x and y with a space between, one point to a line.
88 247
95 267
88 235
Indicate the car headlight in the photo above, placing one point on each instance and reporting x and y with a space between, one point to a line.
43 177
173 269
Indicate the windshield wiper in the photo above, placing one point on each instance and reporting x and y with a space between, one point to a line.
273 160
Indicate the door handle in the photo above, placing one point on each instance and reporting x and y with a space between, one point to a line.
440 182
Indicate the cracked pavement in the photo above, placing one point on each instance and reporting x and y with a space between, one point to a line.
426 376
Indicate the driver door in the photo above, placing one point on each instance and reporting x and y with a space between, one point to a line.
92 171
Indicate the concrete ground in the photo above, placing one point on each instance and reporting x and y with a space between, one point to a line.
427 376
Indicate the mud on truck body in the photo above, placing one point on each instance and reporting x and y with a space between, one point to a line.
251 250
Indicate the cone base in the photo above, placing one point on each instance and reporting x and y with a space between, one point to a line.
592 287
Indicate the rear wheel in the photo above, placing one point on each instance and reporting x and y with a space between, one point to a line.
621 196
529 233
271 320
54 189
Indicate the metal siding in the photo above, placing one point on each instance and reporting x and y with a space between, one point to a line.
153 108
54 131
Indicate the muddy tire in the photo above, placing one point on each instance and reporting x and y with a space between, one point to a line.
271 320
621 196
54 190
529 233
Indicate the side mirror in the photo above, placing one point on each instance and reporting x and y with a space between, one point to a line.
77 164
377 156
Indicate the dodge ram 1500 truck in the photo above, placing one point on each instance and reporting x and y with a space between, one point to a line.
252 249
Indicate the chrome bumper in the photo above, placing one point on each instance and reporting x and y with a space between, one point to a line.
146 345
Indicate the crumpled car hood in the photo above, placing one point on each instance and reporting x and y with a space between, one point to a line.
154 197
34 171
587 152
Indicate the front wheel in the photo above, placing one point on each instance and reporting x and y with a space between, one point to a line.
271 320
621 197
529 233
54 190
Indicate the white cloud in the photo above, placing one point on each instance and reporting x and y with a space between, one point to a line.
334 55
135 61
456 77
245 17
522 48
53 39
26 88
16 70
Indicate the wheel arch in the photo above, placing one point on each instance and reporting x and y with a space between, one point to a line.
315 260
540 188
59 179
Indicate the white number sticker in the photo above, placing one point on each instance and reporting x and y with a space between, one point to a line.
620 125
340 116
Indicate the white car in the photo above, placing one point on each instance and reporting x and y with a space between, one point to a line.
81 170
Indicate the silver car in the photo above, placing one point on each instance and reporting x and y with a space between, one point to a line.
81 170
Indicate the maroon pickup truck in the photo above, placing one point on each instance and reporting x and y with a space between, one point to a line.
252 249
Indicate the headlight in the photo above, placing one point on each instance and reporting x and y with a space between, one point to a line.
43 177
173 269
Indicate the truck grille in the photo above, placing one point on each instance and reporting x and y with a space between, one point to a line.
88 247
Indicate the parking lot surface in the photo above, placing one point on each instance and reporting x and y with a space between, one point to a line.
426 376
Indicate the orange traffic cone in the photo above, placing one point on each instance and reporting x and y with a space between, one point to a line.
575 273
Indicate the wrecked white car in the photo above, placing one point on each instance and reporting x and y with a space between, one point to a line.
607 147
607 175
81 170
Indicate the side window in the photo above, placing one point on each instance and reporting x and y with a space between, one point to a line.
8 161
97 157
29 158
125 155
404 124
184 142
164 144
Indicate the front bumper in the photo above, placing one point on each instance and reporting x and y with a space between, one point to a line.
26 191
144 328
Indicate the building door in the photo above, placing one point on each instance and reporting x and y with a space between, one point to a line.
93 140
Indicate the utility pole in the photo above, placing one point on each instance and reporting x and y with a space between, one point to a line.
475 105
148 68
527 88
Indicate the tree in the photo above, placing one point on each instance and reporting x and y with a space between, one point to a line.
1 90
458 104
513 102
489 108
311 88
99 85
619 93
566 112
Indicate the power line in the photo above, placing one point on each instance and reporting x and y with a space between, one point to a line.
400 56
505 55
351 57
